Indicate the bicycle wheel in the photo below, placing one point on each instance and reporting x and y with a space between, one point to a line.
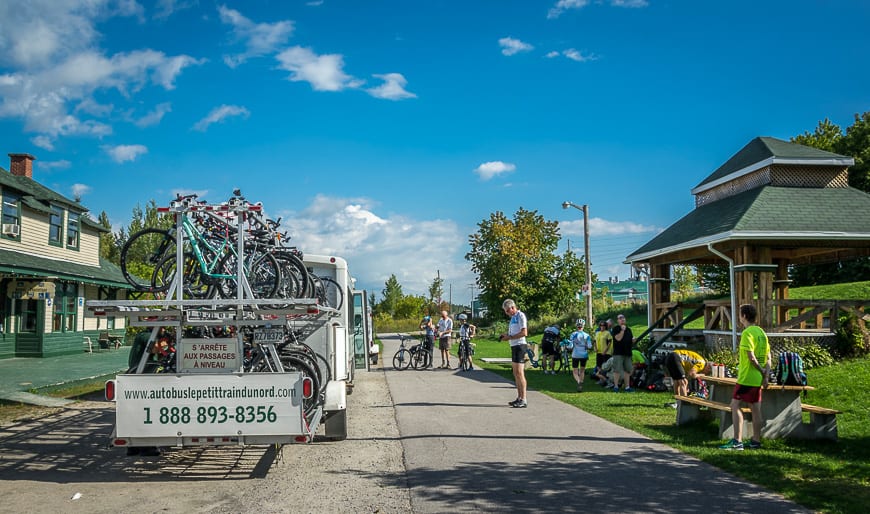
294 281
263 274
463 357
328 292
418 359
402 359
141 255
194 283
558 364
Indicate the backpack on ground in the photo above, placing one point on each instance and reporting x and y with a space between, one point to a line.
790 370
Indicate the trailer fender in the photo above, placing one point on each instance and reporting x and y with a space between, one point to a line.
336 396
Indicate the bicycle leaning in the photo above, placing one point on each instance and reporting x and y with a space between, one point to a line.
416 356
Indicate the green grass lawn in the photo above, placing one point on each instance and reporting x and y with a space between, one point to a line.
822 475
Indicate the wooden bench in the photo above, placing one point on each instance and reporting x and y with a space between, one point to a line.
689 408
823 422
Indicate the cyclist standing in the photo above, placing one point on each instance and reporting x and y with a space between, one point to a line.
580 355
429 336
445 330
466 332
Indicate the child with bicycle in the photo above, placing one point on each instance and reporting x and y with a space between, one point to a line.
466 332
582 344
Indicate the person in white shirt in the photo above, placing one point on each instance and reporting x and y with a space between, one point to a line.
580 354
518 329
445 330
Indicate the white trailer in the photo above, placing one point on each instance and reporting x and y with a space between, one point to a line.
238 388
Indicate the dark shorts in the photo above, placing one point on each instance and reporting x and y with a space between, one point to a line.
674 365
748 394
548 348
579 363
429 342
600 359
518 353
444 343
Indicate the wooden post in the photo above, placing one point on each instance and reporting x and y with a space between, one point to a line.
765 290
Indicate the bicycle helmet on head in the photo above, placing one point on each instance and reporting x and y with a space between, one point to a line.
462 317
426 318
581 322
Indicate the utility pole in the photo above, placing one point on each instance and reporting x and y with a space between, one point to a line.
472 300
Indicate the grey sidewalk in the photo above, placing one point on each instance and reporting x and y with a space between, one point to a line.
466 450
17 376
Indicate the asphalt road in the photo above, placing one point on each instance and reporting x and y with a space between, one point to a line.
419 441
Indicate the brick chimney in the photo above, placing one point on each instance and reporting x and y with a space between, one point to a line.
22 164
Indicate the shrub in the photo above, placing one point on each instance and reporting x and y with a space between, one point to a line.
813 354
852 338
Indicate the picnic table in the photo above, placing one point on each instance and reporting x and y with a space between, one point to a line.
781 408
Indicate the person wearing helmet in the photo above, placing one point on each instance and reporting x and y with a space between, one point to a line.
580 354
466 332
428 336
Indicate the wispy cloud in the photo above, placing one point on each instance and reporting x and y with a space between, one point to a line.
551 54
602 227
491 169
510 46
166 8
314 3
576 55
259 38
154 117
54 165
563 5
43 142
393 87
125 153
629 3
324 72
218 114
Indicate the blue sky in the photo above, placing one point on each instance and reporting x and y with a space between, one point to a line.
384 131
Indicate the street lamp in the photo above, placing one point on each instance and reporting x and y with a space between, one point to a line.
585 209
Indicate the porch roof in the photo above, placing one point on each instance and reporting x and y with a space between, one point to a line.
107 274
768 213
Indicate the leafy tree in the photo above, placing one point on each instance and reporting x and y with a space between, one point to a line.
715 276
373 304
826 137
109 248
569 275
856 143
392 295
410 307
436 291
514 258
684 279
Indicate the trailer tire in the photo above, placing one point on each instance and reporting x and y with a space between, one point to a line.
335 426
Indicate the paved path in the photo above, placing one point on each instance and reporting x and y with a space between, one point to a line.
466 450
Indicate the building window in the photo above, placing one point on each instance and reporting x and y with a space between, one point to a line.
28 316
11 215
55 226
72 230
64 316
110 322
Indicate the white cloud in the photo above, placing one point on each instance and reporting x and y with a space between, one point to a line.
602 227
377 246
314 3
259 38
54 66
53 165
324 72
510 46
125 153
154 117
218 114
563 5
79 190
490 169
43 142
629 3
552 54
393 87
578 56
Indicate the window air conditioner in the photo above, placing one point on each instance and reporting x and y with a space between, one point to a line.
11 229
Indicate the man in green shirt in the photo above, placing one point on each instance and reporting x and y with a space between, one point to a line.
752 377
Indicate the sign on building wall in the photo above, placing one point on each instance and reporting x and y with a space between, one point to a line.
31 290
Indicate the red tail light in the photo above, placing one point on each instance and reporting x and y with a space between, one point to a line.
110 390
307 388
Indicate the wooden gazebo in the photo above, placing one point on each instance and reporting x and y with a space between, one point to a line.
772 205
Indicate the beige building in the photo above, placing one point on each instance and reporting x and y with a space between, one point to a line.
50 266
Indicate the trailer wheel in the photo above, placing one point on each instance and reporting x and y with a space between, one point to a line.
335 427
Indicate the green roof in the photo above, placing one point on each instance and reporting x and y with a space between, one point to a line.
106 274
762 149
28 186
769 212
